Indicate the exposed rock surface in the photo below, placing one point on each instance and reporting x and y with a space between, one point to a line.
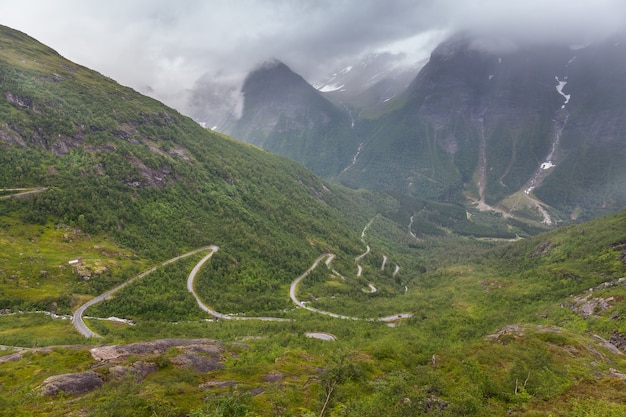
517 331
541 249
107 353
199 363
218 384
619 341
12 357
587 306
77 383
273 377
614 373
139 370
202 355
511 329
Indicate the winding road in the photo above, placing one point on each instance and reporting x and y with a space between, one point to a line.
329 257
79 324
190 288
77 318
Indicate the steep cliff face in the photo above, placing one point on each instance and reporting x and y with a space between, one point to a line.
285 115
592 173
537 129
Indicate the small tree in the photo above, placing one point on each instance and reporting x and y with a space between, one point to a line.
342 368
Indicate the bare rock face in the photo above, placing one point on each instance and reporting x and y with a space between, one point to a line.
273 377
13 357
199 363
107 353
78 383
619 341
138 370
217 384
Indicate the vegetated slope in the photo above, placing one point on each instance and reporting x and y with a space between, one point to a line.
517 332
490 335
285 115
118 164
127 182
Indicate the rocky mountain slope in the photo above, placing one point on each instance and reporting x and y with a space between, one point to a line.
535 131
528 129
368 84
285 115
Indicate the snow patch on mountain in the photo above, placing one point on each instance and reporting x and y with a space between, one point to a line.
559 89
368 71
576 47
330 87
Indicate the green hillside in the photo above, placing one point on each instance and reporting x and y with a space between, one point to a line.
122 168
430 309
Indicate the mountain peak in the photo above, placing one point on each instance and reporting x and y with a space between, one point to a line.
271 64
286 115
273 75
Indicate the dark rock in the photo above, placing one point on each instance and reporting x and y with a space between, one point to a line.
20 101
153 347
138 370
209 349
199 363
542 249
619 341
434 404
273 377
78 383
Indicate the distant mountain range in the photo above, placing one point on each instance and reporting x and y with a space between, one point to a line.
538 132
366 86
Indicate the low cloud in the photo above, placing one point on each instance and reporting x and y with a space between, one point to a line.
170 49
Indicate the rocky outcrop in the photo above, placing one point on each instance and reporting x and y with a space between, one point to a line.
107 353
12 357
138 370
511 329
199 363
217 384
619 341
72 384
273 377
541 249
588 307
201 355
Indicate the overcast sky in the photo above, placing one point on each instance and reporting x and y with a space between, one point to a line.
168 45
